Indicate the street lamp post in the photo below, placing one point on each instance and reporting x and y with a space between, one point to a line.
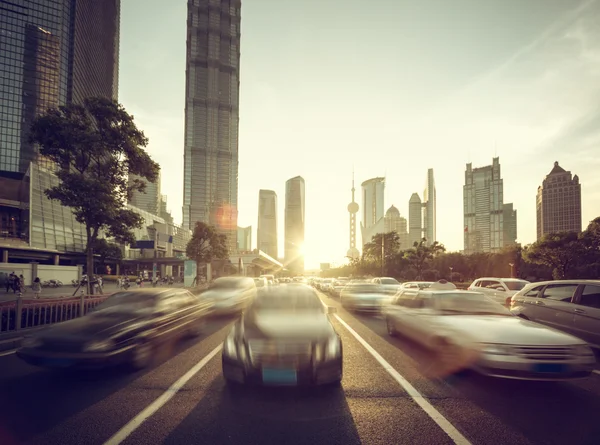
511 269
382 255
451 269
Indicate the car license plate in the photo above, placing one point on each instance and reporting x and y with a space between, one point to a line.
58 362
279 376
549 367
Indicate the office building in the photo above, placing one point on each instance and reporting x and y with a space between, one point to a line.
484 210
509 215
266 232
59 52
150 199
294 225
244 239
429 215
372 208
210 189
163 212
415 220
558 203
393 222
353 207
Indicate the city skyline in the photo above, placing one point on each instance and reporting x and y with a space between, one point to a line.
497 100
266 229
295 219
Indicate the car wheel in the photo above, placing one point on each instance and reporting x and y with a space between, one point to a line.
197 328
390 328
142 355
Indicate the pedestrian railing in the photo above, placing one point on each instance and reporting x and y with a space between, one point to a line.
25 313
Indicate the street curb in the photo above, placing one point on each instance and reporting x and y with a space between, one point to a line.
12 340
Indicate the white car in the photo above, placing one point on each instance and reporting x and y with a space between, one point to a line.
388 285
487 337
499 289
231 294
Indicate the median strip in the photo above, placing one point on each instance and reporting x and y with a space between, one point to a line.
138 420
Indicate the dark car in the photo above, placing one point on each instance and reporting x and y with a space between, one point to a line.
284 338
128 327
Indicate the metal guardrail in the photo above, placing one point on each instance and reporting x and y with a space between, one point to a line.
25 313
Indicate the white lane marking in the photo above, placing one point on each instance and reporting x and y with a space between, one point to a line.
435 415
138 420
12 351
595 371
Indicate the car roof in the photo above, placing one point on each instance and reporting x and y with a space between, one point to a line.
500 279
583 281
434 292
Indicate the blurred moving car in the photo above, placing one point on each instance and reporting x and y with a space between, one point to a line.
270 279
231 295
338 285
326 285
363 297
285 338
416 285
504 345
260 282
388 285
499 289
572 306
128 327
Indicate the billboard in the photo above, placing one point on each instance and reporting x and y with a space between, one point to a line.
189 273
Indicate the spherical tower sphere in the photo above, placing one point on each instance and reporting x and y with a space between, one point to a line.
353 207
353 253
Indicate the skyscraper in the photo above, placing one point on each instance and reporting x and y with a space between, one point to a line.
266 232
393 222
294 224
484 210
210 188
558 203
352 211
244 239
148 200
415 220
429 215
60 51
372 217
52 52
510 224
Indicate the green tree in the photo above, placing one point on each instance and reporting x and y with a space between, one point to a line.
389 243
561 251
206 245
421 254
107 251
95 147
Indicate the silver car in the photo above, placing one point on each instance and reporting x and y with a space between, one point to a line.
572 306
498 343
364 297
231 294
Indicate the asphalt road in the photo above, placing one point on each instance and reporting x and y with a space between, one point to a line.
388 396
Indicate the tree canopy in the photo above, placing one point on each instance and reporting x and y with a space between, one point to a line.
95 146
206 244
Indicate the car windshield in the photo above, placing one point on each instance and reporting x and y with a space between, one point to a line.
389 281
128 302
462 303
226 284
516 285
289 301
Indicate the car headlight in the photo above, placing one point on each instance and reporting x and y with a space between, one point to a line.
496 349
583 350
31 342
230 348
333 348
98 346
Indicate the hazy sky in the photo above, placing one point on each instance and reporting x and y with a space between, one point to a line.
391 87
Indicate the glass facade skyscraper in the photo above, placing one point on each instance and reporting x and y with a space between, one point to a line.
266 231
52 52
210 186
294 224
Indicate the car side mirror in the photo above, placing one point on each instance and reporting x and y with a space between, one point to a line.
331 310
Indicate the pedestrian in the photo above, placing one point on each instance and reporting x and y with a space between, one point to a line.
36 287
9 281
16 285
99 281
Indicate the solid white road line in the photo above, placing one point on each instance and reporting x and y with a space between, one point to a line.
12 351
138 420
435 415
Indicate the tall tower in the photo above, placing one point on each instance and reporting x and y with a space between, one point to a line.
353 210
294 225
266 232
210 175
429 201
415 220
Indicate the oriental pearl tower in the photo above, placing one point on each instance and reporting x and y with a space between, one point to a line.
353 252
